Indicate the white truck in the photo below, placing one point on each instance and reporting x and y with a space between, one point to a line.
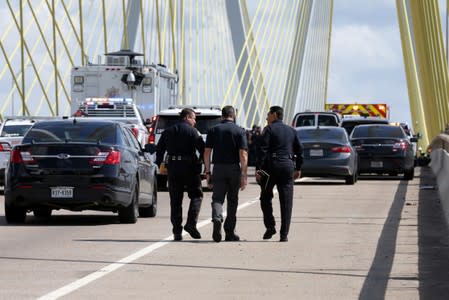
118 109
206 117
151 87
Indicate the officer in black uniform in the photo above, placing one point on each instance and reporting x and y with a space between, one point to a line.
281 157
230 158
181 141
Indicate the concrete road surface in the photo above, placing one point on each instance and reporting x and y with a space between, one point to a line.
382 238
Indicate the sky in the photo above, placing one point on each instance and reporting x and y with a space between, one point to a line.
366 63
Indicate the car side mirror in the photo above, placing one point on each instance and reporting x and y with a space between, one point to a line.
150 148
413 140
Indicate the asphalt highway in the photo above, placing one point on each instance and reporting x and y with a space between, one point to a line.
382 238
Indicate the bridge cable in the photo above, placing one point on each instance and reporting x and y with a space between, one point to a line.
234 74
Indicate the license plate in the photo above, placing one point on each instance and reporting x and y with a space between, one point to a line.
62 192
377 164
316 152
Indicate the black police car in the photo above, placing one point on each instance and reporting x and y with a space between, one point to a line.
79 164
383 149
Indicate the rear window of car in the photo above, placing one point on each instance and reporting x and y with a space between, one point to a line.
15 130
322 134
305 120
309 120
203 123
69 132
378 131
350 124
324 120
164 122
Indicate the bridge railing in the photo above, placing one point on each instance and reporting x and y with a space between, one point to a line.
440 141
440 166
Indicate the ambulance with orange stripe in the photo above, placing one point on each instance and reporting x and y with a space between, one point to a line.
379 110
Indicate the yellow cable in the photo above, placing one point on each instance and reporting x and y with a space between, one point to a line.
242 79
267 62
252 82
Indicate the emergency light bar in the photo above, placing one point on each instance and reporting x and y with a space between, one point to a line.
99 101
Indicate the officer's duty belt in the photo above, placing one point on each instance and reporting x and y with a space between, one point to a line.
179 157
280 156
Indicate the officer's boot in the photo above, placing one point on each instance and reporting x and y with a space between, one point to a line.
192 218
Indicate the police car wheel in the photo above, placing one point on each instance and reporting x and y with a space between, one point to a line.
15 214
128 215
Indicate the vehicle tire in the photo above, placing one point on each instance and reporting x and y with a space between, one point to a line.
150 211
129 214
409 174
42 212
14 214
351 179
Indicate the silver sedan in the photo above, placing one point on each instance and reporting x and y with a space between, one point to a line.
327 153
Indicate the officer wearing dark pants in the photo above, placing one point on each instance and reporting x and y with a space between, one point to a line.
281 157
181 141
229 147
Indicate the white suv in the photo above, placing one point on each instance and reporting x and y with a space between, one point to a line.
206 117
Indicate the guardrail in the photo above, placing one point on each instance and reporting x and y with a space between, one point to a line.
440 141
439 163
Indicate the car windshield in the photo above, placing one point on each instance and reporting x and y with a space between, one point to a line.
378 131
69 132
350 124
15 130
322 135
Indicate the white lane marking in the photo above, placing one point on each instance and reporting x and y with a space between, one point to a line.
124 261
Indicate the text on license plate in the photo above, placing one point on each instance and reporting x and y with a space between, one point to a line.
316 152
62 192
377 164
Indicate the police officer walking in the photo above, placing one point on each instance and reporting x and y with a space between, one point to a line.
229 147
181 141
281 157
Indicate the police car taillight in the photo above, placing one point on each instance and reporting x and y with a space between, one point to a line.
151 138
106 158
152 129
135 131
5 147
400 146
25 157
